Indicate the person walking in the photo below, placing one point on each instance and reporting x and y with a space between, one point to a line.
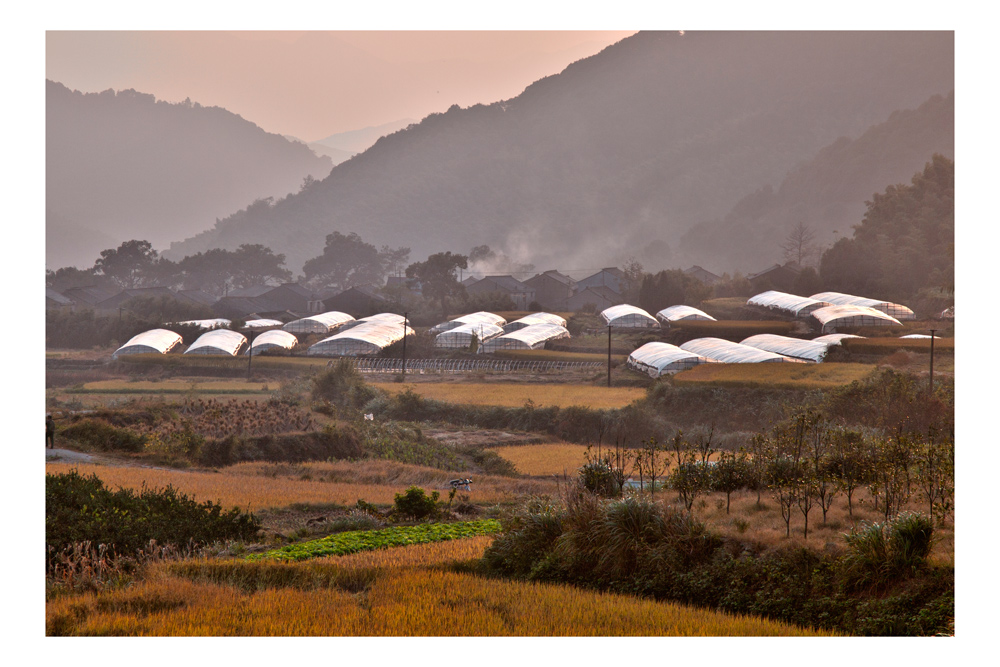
50 432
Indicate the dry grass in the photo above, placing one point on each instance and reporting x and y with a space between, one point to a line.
174 386
517 394
889 345
549 459
797 376
556 355
257 486
397 592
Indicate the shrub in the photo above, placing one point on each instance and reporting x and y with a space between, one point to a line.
99 435
417 504
884 552
342 385
599 477
79 509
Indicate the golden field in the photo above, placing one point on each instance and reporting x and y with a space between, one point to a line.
174 386
407 591
257 486
516 395
798 376
547 459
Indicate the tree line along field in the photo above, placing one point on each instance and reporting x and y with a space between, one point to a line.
367 464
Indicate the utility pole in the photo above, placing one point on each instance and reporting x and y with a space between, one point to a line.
405 317
609 355
249 354
932 362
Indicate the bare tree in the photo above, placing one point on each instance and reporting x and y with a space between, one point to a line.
799 246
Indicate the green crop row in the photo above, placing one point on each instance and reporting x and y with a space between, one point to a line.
354 541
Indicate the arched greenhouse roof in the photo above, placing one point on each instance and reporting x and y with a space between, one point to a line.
364 338
656 359
629 317
896 310
531 337
675 313
482 317
790 304
217 341
808 350
834 338
322 323
461 336
833 317
154 341
262 323
532 319
276 339
728 352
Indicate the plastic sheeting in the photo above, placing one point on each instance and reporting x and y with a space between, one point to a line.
323 323
531 337
218 341
482 317
676 313
896 310
809 350
728 352
263 323
532 319
154 341
834 338
460 337
271 341
364 338
832 318
789 304
629 317
656 359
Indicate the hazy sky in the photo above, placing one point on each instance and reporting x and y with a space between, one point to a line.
313 84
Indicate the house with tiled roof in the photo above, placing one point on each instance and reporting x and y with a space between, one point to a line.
118 300
520 293
552 289
359 301
703 275
88 296
611 277
600 297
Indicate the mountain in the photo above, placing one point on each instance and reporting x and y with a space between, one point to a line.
619 154
137 168
827 193
357 141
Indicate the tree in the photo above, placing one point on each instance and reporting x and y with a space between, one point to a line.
671 287
437 277
128 265
485 259
210 271
255 264
394 260
799 246
346 261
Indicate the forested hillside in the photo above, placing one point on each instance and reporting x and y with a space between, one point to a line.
827 193
618 155
130 166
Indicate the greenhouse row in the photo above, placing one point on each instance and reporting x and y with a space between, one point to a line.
656 359
898 311
679 313
831 318
533 337
482 317
461 337
787 304
629 317
532 319
728 352
324 323
362 337
272 341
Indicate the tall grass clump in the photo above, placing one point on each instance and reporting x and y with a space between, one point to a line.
342 385
883 552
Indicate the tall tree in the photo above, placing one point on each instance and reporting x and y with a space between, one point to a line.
438 277
210 271
129 265
800 245
346 261
255 264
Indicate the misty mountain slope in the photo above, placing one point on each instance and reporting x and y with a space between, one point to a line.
827 193
628 147
133 167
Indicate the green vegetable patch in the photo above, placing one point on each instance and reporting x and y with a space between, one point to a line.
354 541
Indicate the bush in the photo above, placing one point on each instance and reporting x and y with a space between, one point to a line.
96 434
79 509
882 553
343 386
599 477
416 504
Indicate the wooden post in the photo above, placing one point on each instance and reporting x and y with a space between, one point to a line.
609 355
932 362
405 318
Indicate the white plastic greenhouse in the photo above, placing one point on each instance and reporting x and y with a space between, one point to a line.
728 352
677 313
482 317
629 317
656 359
808 350
531 337
788 304
154 341
364 338
217 341
532 319
323 323
834 338
203 324
832 318
460 337
271 341
262 323
380 318
895 310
